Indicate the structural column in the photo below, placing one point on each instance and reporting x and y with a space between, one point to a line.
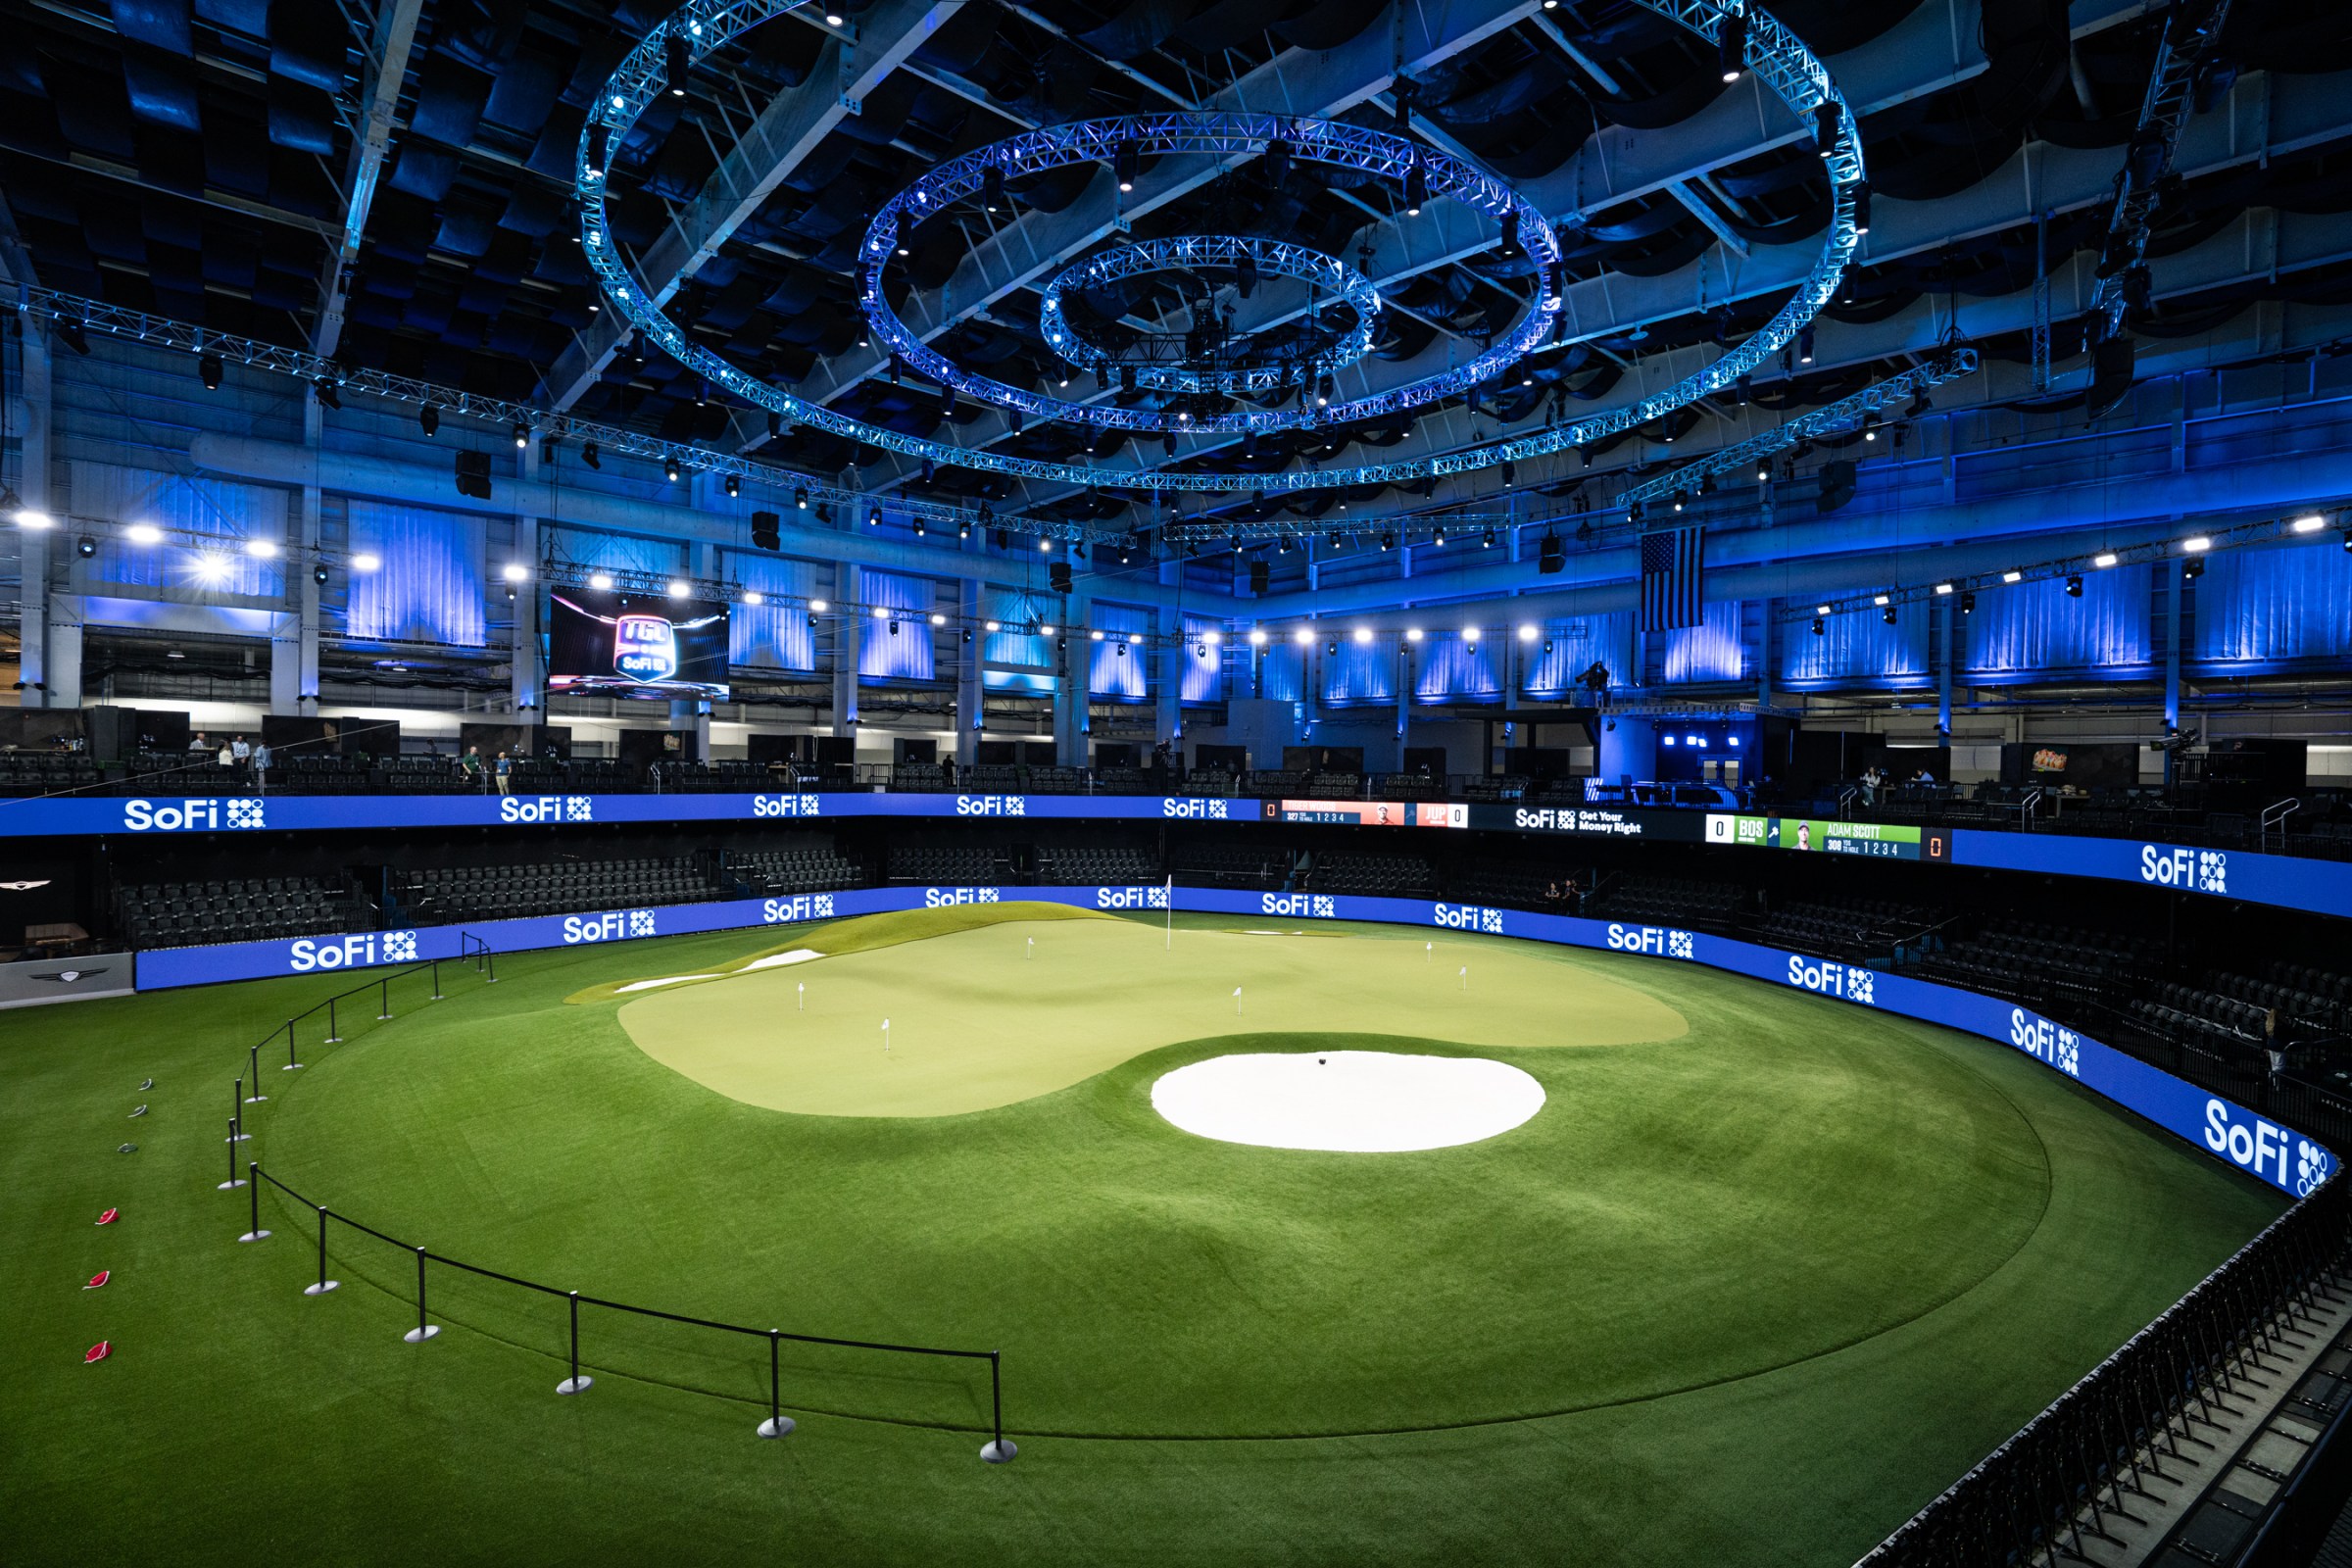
1947 657
692 716
971 696
1168 680
527 675
294 634
848 633
2172 652
32 544
1074 660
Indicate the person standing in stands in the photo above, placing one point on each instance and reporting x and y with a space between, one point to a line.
228 758
260 761
470 765
1872 781
240 750
196 743
505 766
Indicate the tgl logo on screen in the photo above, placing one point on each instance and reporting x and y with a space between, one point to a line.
1653 939
2170 866
610 927
1467 918
2263 1148
1130 898
196 815
1850 981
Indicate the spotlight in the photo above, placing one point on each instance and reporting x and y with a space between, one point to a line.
1362 635
1487 541
894 629
676 58
1096 635
1416 189
1731 47
600 582
670 470
1967 602
2013 576
753 597
366 560
816 606
318 574
210 371
905 245
85 546
428 419
1412 634
1511 235
592 455
522 436
2311 523
1303 637
2104 559
2192 568
994 625
143 533
515 572
992 187
1526 631
1387 541
678 589
1278 162
1825 126
1861 197
1332 647
261 549
1870 427
1471 634
1257 636
1821 627
938 621
881 612
324 391
734 484
1820 609
1123 162
70 333
1888 614
2197 546
1804 344
1880 600
1943 588
599 146
2074 585
799 497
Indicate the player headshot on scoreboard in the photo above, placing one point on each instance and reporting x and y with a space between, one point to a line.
1804 835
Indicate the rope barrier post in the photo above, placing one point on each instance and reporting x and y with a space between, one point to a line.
777 1422
574 1382
252 1068
423 1331
324 1284
334 1036
293 1062
253 1169
383 1004
234 1180
997 1450
436 979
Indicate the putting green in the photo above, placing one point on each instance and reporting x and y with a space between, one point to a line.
1745 1294
1008 1001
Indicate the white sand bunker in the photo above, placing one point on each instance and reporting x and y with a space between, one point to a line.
1361 1101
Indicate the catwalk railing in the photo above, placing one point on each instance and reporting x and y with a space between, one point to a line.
479 958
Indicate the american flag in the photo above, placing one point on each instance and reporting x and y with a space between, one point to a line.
1673 579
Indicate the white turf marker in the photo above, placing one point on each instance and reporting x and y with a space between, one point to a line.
1429 952
1030 951
1237 1001
1465 977
803 987
886 1034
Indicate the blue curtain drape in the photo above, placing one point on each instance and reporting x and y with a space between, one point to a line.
1282 671
1031 656
1457 670
1120 659
1203 663
206 524
429 587
774 635
1708 651
2031 628
2276 603
1359 672
619 552
1857 645
906 656
1578 643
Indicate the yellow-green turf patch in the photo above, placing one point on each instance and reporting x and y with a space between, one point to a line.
1003 1002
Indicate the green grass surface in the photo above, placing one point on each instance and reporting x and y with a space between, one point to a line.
1747 1293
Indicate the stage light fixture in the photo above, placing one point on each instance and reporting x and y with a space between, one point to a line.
676 57
1943 588
2074 585
992 187
670 470
319 575
1471 634
1880 600
1967 602
799 497
1820 609
1888 614
993 626
1731 47
2104 559
515 572
881 611
679 589
366 560
210 566
1804 344
2311 523
522 436
1123 163
261 549
1257 636
1416 189
2013 576
734 485
753 597
72 335
85 546
2192 568
592 455
1825 126
2196 546
210 371
145 533
1412 634
1821 627
817 607
1303 637
905 247
324 391
1861 199
600 147
894 629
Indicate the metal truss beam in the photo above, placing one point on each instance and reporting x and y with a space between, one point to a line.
2190 29
387 67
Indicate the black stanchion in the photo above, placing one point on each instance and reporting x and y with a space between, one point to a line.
234 1180
253 1170
383 1002
293 1062
436 979
334 1036
253 1066
423 1331
324 1284
997 1450
777 1422
236 1112
574 1382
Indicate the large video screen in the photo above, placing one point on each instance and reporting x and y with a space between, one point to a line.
636 645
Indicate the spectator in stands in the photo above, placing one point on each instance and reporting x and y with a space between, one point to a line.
261 758
1872 782
2275 1044
240 750
226 757
1573 897
1923 776
470 765
504 766
196 743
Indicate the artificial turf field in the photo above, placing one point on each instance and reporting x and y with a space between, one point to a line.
1765 1273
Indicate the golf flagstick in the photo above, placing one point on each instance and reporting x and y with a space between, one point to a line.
801 988
1429 952
886 1034
1465 977
1237 1001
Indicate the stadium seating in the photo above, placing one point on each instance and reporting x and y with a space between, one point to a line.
1668 901
795 870
1379 875
443 896
176 914
1097 866
47 773
965 866
1848 928
1234 865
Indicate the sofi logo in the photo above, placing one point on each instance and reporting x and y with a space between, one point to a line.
1850 981
787 806
1467 918
196 815
2267 1149
2169 865
610 926
1130 898
1203 810
2045 1041
800 907
1656 939
992 806
1313 906
941 897
547 809
354 952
